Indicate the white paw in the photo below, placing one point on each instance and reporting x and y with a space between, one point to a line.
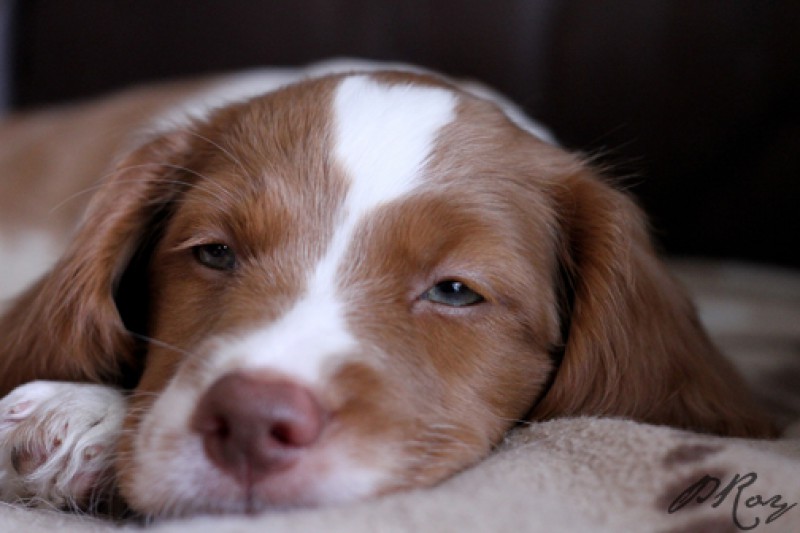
56 442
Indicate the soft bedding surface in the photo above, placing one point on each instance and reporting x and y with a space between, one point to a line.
595 474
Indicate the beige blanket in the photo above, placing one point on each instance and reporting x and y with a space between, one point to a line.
592 474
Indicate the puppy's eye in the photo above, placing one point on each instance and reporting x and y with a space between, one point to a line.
217 256
453 293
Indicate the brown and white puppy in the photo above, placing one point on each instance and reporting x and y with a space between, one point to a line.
350 285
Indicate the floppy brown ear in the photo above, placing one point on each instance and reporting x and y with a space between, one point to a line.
634 346
67 326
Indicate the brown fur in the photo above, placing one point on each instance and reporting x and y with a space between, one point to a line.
635 346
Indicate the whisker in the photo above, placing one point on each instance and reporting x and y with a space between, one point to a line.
161 344
103 182
238 162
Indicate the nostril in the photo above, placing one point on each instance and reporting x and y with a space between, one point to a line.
282 433
297 429
251 426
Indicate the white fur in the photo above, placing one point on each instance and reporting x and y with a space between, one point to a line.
384 135
75 424
298 344
479 90
178 474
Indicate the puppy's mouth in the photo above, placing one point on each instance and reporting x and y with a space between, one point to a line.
219 470
250 443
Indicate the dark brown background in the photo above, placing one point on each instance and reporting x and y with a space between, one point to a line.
695 103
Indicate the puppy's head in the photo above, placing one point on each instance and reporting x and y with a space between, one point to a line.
359 284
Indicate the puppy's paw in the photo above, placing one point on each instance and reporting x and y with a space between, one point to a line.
56 442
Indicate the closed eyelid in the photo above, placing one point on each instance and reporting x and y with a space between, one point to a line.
198 240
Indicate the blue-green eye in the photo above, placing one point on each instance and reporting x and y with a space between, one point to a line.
217 256
452 293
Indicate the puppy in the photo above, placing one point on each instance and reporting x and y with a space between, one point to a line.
349 284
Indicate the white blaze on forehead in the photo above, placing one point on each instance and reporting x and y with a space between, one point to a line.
383 136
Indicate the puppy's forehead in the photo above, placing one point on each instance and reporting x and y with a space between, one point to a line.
384 134
381 134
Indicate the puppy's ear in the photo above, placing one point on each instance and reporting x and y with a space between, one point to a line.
633 343
67 326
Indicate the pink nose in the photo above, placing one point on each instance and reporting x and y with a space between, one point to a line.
253 426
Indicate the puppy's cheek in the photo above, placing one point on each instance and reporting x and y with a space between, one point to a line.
158 374
384 423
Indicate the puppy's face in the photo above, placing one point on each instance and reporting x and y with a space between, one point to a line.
358 284
371 256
